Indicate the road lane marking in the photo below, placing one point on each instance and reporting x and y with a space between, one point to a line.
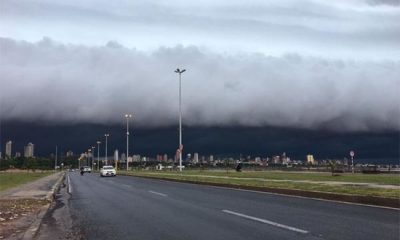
69 185
157 193
126 185
266 221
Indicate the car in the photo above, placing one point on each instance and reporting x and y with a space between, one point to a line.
108 171
87 169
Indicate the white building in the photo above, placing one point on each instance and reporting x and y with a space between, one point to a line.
70 153
196 158
8 148
29 150
310 159
116 155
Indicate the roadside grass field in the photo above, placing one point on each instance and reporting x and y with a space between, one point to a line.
13 179
288 180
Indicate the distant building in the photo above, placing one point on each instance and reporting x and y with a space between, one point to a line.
165 158
70 153
29 150
8 149
211 158
195 158
310 159
123 157
17 154
1 156
116 155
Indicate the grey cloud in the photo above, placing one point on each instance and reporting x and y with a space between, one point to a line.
54 82
332 29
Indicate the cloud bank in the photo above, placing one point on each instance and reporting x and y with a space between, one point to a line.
54 82
358 29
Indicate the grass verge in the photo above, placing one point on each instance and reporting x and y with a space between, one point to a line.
260 180
13 179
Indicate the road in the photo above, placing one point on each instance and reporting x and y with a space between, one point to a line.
136 208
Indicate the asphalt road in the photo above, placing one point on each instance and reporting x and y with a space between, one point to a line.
137 208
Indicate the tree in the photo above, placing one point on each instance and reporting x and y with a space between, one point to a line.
332 165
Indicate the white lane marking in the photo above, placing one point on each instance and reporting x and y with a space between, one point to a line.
126 185
266 222
69 185
157 193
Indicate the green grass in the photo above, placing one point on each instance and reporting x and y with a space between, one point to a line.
13 179
260 179
392 179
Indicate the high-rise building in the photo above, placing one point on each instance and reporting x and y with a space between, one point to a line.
17 154
195 158
211 158
116 155
29 150
310 159
8 149
70 153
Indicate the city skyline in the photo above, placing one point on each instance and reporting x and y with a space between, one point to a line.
217 141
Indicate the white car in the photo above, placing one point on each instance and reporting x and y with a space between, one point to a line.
108 171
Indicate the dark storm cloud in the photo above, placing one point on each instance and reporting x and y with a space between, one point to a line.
54 82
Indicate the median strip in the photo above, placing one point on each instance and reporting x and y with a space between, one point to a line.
266 222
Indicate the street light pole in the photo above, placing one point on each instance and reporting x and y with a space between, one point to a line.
127 116
88 157
106 135
98 155
180 116
93 147
55 163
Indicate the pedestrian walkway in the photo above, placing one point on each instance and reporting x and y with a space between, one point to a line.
39 189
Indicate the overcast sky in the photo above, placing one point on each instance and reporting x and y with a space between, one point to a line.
304 64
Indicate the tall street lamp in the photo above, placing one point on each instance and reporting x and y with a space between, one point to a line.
179 71
93 147
106 135
127 116
88 157
98 155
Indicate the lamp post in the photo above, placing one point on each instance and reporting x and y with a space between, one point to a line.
88 157
98 155
127 116
93 147
55 163
106 135
179 71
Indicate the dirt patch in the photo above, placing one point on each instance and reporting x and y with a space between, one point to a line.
16 215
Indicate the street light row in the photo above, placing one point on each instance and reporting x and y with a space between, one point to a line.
128 116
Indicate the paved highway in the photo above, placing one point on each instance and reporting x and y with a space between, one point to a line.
137 208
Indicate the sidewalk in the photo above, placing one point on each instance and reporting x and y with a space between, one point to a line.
40 189
22 208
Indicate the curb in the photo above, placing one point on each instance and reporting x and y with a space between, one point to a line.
356 199
33 229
